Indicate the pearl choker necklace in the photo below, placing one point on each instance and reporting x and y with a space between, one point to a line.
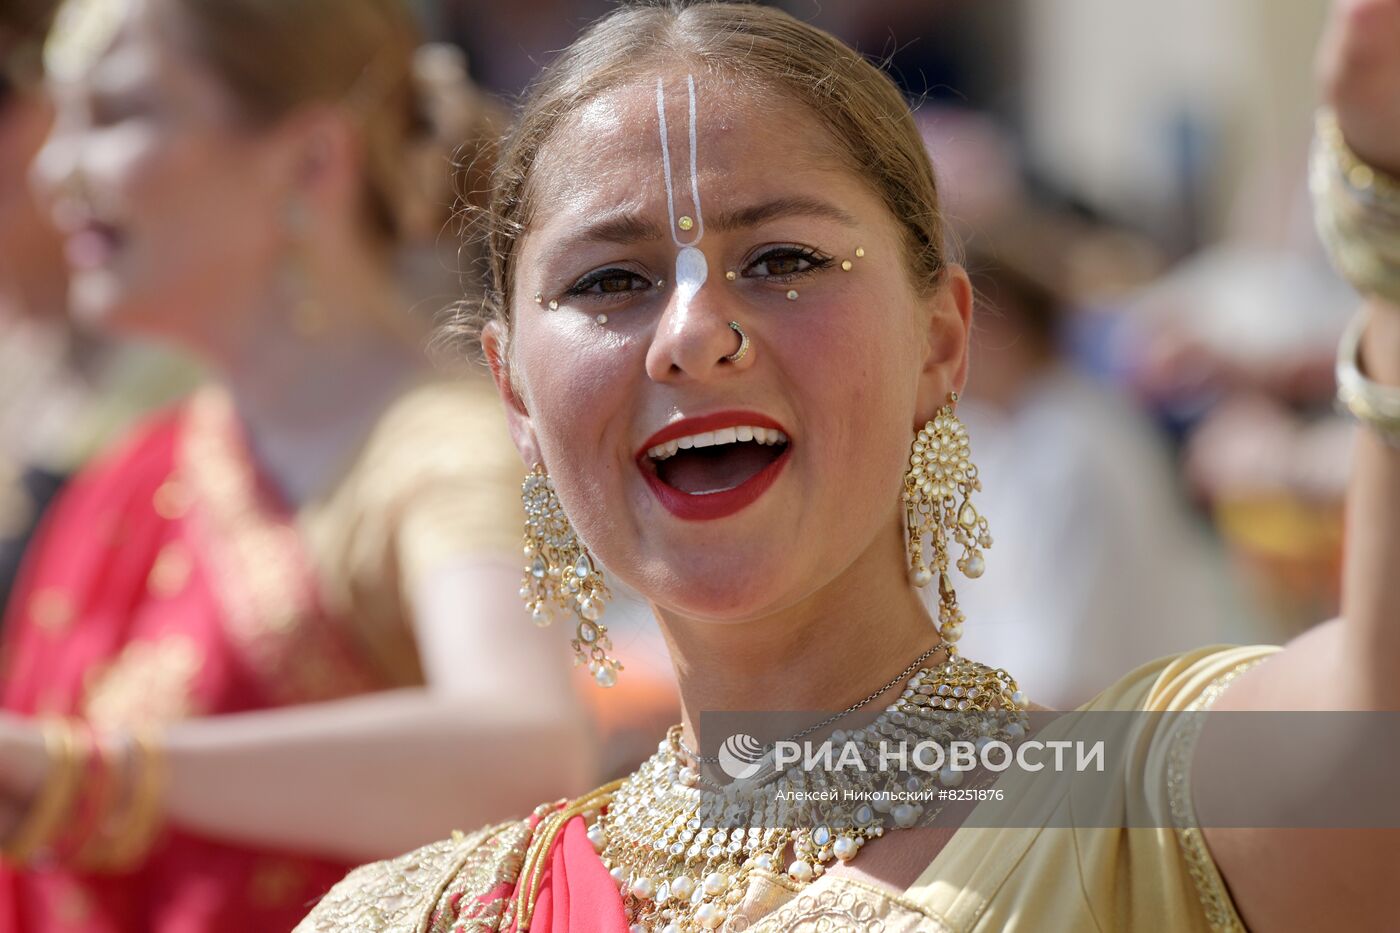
682 853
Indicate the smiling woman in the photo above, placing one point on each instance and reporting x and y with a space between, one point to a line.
234 625
772 457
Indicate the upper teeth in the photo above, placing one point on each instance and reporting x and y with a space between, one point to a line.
715 438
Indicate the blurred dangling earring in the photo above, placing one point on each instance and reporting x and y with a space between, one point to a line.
308 315
560 574
937 505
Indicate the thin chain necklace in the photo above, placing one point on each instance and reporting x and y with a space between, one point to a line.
894 681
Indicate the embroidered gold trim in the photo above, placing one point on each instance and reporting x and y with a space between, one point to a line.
1215 901
259 568
436 889
148 684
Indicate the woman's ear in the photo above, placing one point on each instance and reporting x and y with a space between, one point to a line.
947 336
522 429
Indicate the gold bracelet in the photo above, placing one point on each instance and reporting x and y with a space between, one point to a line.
134 829
1357 210
1374 405
46 817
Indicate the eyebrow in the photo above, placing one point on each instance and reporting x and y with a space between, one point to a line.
632 228
796 206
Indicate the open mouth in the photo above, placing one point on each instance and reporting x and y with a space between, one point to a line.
92 245
717 461
712 473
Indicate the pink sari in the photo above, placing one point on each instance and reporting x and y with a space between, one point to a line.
170 582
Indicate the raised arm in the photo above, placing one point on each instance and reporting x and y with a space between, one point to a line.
1282 879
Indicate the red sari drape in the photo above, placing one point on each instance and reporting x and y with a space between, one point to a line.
169 582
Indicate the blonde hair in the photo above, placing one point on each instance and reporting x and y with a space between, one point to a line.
414 105
857 104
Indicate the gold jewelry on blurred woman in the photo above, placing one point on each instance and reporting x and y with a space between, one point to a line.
50 810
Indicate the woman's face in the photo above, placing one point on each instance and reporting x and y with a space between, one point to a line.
836 377
171 210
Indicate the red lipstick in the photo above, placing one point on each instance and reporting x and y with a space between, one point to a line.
715 505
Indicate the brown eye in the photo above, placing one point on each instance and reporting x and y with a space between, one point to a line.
609 282
786 263
616 283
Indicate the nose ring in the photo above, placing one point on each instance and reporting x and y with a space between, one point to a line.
743 350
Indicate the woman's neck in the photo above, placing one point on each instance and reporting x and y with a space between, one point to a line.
308 401
826 653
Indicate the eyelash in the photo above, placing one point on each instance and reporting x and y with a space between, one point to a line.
815 261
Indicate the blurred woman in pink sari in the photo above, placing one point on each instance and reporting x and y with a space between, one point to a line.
233 629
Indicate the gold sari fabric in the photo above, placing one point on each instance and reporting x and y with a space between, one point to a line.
983 880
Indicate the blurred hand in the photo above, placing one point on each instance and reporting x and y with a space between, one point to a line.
1359 67
23 760
10 814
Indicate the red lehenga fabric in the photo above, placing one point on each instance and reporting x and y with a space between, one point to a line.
170 582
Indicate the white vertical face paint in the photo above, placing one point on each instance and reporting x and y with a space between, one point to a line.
691 268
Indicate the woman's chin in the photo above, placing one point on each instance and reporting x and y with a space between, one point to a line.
721 588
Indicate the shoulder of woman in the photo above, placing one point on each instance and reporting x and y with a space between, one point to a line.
410 893
1177 681
446 429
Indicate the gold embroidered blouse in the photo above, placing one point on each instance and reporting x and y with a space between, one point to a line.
983 880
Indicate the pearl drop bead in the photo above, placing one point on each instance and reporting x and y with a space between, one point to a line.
922 577
636 928
764 861
671 928
800 871
1019 700
904 815
683 887
605 676
709 916
618 875
597 837
715 883
950 778
974 566
644 889
845 848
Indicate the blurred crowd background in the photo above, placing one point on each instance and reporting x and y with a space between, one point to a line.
1150 396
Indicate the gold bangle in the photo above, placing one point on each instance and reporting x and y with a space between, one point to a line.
1357 174
46 817
1374 405
135 828
1357 210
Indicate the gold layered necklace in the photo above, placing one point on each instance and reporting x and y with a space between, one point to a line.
682 848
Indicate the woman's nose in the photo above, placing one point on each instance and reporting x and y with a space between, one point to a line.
694 338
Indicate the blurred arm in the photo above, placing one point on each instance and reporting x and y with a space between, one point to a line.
497 732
